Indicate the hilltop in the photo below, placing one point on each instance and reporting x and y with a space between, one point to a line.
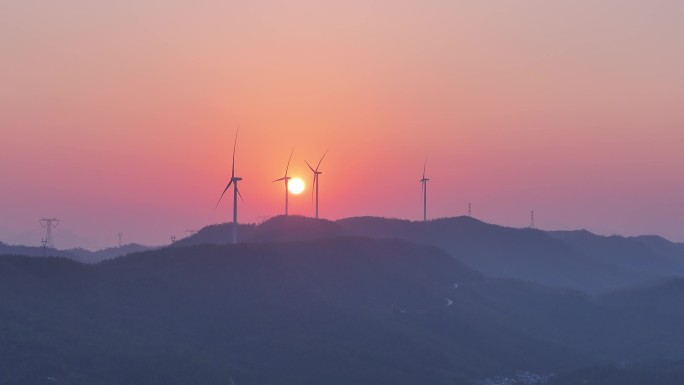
567 259
578 260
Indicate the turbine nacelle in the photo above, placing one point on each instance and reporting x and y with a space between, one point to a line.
315 171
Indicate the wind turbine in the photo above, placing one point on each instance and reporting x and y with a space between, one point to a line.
315 179
287 181
424 191
234 181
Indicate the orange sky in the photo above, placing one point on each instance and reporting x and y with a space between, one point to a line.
120 117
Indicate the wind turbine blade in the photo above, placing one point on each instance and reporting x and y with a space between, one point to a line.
311 168
424 165
278 180
319 162
224 191
238 190
232 174
288 162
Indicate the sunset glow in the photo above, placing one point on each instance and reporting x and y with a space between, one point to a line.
128 110
296 186
368 192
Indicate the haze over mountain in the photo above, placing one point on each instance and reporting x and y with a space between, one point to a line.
301 300
571 259
77 254
578 260
345 310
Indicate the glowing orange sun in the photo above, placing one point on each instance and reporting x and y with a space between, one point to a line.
296 186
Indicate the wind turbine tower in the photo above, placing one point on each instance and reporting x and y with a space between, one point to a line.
233 181
315 179
424 191
287 181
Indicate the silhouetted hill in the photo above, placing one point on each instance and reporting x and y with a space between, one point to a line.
638 254
33 251
344 310
651 312
88 256
333 311
572 259
662 246
279 228
498 251
294 228
219 234
80 255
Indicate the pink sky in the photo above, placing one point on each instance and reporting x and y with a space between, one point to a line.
120 117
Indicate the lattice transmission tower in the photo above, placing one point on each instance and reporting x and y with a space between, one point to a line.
49 224
532 220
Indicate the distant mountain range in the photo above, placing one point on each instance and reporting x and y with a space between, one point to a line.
360 300
80 255
334 311
572 259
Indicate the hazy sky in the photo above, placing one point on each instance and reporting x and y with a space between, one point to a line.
119 116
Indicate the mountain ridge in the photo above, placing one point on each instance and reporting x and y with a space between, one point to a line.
573 259
382 311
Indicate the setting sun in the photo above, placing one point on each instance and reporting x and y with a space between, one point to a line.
296 185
